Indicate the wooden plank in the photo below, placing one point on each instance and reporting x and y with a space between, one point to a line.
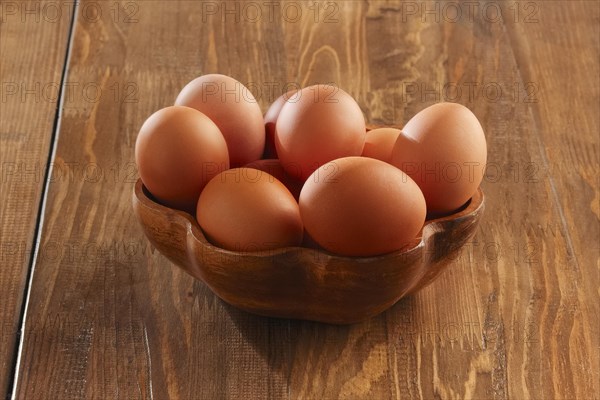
565 115
109 317
515 312
33 42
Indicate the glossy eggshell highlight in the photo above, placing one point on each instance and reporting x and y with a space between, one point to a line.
271 121
379 143
177 151
359 206
244 209
273 167
233 108
443 149
325 123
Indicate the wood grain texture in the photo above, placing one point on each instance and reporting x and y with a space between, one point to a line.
514 317
32 55
568 140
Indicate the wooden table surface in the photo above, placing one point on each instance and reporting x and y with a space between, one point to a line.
90 310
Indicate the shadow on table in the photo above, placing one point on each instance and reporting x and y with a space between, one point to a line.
288 344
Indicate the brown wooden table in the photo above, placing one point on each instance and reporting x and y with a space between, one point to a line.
90 310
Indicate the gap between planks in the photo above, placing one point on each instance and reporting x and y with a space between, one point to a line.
39 226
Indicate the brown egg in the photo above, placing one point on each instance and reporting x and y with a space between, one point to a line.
359 206
177 151
274 167
380 143
271 120
443 149
233 109
244 209
324 123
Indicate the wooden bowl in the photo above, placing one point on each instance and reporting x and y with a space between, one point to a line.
306 283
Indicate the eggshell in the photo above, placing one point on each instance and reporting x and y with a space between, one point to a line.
177 151
244 209
271 120
443 149
274 167
380 142
233 108
359 206
324 124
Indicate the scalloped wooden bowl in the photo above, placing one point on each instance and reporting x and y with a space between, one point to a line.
306 283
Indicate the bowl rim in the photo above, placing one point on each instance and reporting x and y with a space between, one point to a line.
472 206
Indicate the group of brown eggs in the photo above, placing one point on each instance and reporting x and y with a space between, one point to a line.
307 173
